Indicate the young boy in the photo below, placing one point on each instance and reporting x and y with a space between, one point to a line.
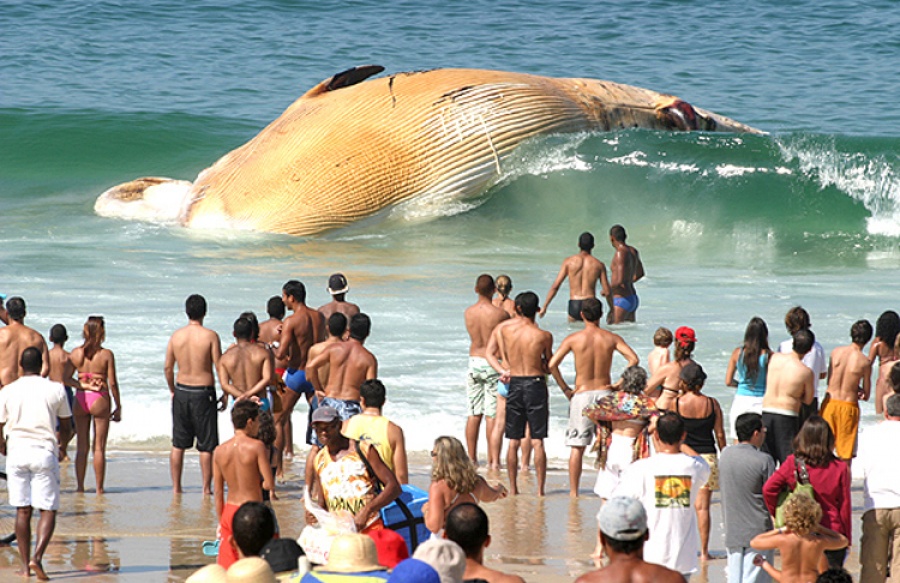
659 356
801 541
62 371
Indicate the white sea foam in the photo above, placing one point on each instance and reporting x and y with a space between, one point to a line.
872 180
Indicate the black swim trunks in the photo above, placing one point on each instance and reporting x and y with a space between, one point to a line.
528 402
575 309
780 432
194 416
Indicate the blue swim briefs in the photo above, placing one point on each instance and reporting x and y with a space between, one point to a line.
629 304
295 379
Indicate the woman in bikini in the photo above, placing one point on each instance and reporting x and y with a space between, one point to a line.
96 368
885 351
454 480
663 386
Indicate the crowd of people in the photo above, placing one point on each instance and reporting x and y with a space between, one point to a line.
660 442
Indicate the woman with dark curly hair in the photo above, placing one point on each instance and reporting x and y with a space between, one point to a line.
828 475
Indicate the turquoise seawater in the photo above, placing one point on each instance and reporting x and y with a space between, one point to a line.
96 93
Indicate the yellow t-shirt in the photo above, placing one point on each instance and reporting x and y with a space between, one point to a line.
373 430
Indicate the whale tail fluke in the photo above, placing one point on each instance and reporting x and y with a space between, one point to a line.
154 199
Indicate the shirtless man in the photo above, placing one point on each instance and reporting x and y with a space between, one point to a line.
849 380
593 350
625 269
583 271
246 368
623 532
242 464
299 332
349 364
527 350
789 385
195 350
14 339
338 288
481 379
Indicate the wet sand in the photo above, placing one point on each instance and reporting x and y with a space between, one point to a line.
139 531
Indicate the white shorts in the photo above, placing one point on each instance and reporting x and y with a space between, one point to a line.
581 430
32 477
618 458
740 405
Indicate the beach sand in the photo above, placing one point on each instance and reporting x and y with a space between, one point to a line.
139 531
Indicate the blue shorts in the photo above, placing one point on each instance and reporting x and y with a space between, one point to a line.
629 304
503 389
295 379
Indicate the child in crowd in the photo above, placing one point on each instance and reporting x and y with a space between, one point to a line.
802 542
62 371
266 434
659 356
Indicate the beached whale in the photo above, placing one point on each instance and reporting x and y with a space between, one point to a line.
353 146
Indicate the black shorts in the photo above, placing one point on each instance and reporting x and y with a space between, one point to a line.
780 432
528 402
575 309
194 416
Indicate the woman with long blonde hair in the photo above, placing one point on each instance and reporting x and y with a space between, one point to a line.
454 480
98 390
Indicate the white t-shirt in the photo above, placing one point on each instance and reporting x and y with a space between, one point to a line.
667 485
814 359
877 445
29 408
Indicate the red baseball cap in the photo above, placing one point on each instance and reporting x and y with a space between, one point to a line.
391 547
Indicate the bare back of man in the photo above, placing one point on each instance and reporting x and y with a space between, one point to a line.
850 372
789 383
14 339
196 351
593 349
242 464
526 348
349 309
349 365
246 370
632 570
583 271
481 319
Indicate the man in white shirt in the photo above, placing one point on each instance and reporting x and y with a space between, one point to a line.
795 320
30 408
667 484
881 496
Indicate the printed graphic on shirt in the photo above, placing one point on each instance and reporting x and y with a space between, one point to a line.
673 491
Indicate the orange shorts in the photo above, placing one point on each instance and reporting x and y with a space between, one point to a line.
843 418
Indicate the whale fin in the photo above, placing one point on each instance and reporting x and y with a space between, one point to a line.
346 78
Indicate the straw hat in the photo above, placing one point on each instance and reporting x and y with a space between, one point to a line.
250 570
209 574
352 553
